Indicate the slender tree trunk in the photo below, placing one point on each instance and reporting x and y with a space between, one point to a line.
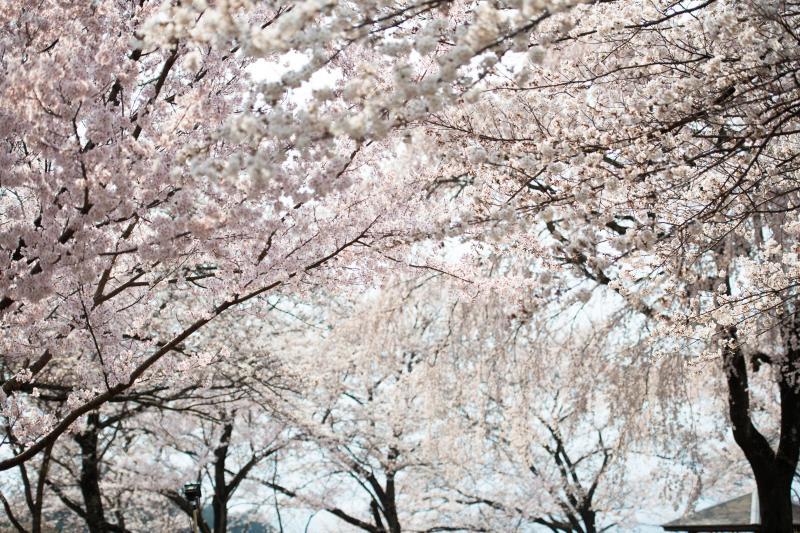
390 505
220 512
220 501
376 516
90 477
36 518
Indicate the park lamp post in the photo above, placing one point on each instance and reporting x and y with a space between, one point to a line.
191 491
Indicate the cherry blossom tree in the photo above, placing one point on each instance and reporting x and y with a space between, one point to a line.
148 190
235 458
428 407
546 448
151 185
363 419
650 148
122 463
144 161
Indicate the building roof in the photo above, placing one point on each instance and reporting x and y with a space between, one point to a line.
732 515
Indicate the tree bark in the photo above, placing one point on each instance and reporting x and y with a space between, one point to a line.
772 470
220 500
90 476
390 503
588 517
774 497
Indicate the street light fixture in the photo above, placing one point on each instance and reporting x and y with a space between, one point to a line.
191 491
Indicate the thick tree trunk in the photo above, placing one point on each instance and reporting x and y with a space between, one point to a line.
773 470
774 497
90 477
588 517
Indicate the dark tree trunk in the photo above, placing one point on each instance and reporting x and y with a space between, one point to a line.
774 497
36 512
773 470
90 476
588 517
390 503
220 501
376 517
